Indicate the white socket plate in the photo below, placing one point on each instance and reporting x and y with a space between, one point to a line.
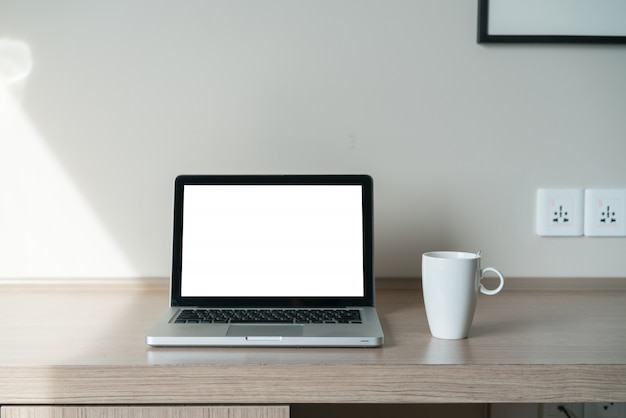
604 212
560 212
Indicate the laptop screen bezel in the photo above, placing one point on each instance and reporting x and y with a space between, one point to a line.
366 183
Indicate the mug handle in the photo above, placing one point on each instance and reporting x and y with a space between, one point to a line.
491 292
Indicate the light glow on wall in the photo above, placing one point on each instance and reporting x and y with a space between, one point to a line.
47 229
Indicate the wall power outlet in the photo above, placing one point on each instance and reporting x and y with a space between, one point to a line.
605 210
560 212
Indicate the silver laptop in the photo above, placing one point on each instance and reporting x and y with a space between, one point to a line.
271 260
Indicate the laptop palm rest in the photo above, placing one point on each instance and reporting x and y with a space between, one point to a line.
264 330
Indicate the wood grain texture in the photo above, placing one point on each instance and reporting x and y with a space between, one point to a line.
145 412
86 346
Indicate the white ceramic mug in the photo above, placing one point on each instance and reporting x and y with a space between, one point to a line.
450 283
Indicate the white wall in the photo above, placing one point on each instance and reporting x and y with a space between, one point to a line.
124 95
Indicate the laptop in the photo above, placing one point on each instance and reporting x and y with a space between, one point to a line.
271 260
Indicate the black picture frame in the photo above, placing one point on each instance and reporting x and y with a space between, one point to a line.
486 35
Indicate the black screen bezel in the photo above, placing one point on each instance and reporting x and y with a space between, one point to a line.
484 36
366 183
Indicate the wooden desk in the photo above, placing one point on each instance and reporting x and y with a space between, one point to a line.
85 345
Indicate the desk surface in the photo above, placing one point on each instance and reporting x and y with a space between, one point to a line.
85 344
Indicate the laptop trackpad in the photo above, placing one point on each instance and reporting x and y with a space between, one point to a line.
264 330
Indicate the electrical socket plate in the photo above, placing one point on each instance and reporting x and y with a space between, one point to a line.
560 212
604 212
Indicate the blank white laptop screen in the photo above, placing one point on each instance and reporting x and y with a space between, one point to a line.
272 241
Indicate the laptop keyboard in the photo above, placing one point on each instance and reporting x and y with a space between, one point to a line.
269 316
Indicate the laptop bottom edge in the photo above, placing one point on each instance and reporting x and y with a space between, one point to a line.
264 341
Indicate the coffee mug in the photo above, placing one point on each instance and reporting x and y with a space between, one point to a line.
450 283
